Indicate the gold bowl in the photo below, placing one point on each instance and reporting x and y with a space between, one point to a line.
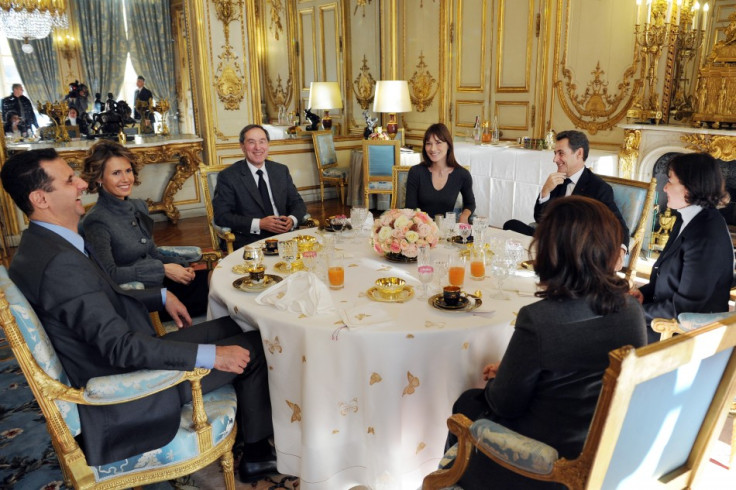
305 242
388 286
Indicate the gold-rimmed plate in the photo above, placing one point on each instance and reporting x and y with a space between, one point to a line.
406 293
269 252
459 240
249 286
468 302
282 268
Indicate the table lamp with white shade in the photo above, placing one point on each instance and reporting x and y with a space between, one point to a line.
325 96
392 96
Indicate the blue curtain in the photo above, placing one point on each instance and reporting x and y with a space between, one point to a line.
104 46
37 70
152 50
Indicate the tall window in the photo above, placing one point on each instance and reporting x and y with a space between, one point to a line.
9 73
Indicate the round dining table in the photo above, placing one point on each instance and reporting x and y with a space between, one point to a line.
366 404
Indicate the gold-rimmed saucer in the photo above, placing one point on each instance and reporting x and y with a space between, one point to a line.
468 302
249 286
405 294
281 267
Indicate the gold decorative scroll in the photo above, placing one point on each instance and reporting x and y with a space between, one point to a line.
719 147
229 79
629 153
278 95
359 4
365 86
276 26
596 109
421 86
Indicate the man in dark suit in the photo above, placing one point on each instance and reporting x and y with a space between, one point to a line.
21 105
143 97
256 197
572 178
98 329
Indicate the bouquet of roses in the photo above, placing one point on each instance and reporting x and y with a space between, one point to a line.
403 231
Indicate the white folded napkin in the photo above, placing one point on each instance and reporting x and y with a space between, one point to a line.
364 315
301 292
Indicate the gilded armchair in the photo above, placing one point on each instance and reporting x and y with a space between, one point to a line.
657 415
206 432
328 171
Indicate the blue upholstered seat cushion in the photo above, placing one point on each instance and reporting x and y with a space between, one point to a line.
691 321
189 253
40 346
220 406
383 186
335 172
515 449
630 201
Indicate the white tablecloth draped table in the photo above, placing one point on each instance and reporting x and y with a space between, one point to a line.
507 180
368 406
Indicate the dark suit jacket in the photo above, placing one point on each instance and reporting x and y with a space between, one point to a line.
145 95
237 200
694 272
98 329
589 185
550 377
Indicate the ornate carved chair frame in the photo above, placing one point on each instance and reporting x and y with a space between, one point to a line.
327 166
377 173
58 401
398 187
635 200
660 408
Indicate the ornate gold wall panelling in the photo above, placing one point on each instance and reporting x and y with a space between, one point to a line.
628 155
416 19
362 53
719 147
229 80
471 35
591 104
503 67
365 86
513 111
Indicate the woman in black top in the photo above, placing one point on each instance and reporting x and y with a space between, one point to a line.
433 185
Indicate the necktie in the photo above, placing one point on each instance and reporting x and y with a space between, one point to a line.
568 189
263 189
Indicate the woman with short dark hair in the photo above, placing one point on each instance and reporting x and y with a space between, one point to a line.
433 185
546 386
694 272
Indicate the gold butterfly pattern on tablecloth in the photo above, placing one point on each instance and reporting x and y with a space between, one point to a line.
375 378
431 324
347 407
420 447
412 385
273 346
296 411
371 430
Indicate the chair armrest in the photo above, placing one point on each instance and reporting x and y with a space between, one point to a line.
121 388
692 321
666 327
513 448
221 229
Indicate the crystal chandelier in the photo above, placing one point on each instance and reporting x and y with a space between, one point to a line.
31 19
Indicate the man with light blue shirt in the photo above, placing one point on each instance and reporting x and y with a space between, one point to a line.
98 329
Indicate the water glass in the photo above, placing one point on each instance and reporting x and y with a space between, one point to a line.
426 273
449 223
500 271
440 266
423 257
288 250
515 251
456 271
336 270
357 219
309 259
480 223
465 230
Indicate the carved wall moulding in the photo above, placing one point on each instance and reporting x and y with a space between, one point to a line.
276 26
278 95
229 79
361 4
596 109
629 153
365 86
719 147
422 86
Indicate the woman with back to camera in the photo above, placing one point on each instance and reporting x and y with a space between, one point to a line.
434 184
119 231
546 386
694 271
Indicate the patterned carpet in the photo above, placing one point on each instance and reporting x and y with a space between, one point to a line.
27 458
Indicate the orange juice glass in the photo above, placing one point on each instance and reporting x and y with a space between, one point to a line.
335 271
477 264
457 275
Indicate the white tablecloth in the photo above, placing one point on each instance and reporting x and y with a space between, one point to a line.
368 406
507 181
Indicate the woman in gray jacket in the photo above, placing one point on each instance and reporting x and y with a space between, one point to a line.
119 231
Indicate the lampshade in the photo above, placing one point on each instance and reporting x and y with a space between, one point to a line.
392 96
324 96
